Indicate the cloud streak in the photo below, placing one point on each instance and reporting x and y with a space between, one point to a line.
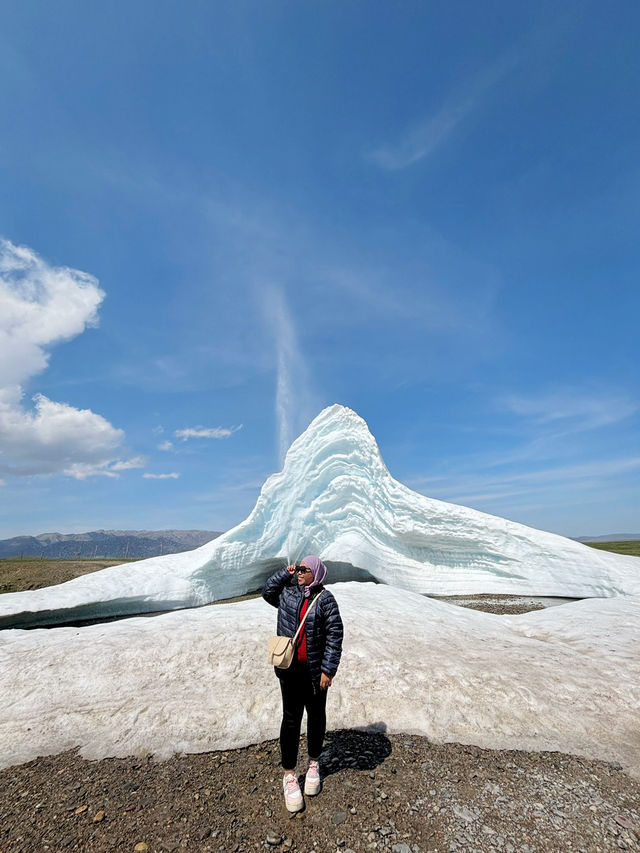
202 432
581 411
425 137
128 464
541 498
555 456
294 399
172 476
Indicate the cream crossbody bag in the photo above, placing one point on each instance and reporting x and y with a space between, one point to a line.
280 650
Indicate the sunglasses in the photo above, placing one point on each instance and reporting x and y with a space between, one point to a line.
301 570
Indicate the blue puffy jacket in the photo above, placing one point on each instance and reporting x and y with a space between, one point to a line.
323 626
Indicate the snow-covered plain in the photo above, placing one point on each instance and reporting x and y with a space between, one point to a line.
336 498
566 678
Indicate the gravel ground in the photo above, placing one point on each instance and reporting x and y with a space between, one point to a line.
395 793
502 604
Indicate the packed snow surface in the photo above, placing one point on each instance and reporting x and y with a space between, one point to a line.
336 498
566 678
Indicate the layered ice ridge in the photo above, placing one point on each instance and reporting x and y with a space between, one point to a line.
335 497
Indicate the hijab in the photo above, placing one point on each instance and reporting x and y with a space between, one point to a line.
319 572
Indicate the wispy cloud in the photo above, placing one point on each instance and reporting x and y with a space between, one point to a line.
288 268
82 470
480 487
172 476
293 402
580 411
203 432
127 464
421 140
552 457
165 445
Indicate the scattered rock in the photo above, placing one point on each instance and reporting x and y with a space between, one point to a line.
338 818
466 814
98 816
621 820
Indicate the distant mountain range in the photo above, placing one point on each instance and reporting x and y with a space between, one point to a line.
611 537
126 544
112 544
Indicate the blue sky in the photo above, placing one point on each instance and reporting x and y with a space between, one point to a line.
218 218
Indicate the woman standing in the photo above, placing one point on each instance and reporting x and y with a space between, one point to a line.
304 685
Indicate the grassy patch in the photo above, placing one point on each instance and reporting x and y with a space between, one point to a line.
34 573
630 547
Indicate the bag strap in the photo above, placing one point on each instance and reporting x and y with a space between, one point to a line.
295 636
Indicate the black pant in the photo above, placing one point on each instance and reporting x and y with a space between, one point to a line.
297 694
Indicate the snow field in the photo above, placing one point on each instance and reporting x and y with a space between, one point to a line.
566 678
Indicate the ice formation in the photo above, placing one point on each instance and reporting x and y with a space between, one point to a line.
566 678
335 497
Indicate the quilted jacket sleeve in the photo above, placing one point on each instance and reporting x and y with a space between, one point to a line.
334 633
274 586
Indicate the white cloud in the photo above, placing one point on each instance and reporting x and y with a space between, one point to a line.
109 468
172 476
40 306
54 438
204 432
165 445
81 471
127 464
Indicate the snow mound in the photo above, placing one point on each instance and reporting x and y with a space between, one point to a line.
567 679
335 497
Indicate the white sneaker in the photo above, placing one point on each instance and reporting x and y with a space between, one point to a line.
292 794
312 779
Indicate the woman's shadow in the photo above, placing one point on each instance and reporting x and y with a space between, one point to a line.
355 750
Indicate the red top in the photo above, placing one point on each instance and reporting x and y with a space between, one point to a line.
302 636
